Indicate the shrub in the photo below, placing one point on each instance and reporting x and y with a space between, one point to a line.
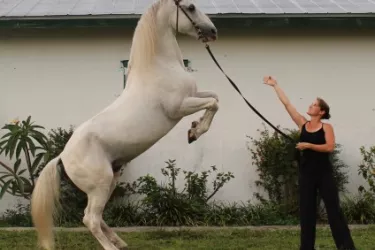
19 216
166 205
163 204
367 169
360 208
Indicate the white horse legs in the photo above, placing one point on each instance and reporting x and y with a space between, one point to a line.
111 235
93 216
93 219
203 100
201 127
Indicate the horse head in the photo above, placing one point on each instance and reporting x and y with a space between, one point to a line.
187 18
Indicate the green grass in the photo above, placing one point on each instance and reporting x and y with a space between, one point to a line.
215 239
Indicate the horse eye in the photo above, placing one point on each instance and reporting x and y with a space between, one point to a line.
191 7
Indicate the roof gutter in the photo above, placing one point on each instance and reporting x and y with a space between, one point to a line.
217 16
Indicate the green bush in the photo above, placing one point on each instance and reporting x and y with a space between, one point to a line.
19 216
360 208
147 202
165 204
367 169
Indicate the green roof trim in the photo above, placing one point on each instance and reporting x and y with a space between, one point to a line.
221 23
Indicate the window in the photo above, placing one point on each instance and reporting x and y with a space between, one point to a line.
187 64
124 66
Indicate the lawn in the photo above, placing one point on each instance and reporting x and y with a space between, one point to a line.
191 239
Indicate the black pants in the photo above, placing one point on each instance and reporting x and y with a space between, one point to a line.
309 184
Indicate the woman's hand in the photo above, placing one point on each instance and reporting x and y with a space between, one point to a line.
269 81
303 145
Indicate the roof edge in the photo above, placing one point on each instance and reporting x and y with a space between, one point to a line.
306 22
216 16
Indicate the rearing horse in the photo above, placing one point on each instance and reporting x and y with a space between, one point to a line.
158 94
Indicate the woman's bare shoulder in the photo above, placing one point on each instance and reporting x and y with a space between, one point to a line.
327 126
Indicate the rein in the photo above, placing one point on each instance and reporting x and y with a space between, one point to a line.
229 79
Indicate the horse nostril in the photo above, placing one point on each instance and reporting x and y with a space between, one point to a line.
213 31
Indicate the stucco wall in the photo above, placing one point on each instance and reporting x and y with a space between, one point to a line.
63 77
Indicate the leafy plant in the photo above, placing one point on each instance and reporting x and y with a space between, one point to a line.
360 208
163 204
55 143
166 205
21 137
196 185
274 157
367 169
19 216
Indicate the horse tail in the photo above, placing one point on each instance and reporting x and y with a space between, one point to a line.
44 203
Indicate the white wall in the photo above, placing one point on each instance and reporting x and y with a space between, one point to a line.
63 77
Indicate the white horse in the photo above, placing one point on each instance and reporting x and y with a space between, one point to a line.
158 94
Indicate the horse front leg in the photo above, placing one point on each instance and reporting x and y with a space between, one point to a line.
191 105
205 94
201 127
206 118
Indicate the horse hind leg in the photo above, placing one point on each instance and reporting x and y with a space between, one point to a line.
97 199
114 238
93 216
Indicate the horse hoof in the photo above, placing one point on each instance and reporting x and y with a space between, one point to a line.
191 137
194 124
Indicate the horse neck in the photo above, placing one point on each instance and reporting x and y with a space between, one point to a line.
154 41
168 49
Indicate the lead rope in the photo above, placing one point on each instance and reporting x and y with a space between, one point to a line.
229 79
297 153
248 103
176 19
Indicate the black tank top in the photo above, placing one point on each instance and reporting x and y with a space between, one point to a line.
314 161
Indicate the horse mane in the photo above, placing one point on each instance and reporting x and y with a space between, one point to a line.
144 40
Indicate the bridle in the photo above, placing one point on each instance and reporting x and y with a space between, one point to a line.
199 32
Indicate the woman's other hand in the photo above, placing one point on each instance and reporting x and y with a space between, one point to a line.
303 145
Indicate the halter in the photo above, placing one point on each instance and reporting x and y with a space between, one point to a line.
199 32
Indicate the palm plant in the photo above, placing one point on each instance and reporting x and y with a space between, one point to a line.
21 137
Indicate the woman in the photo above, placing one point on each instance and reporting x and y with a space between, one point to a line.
317 141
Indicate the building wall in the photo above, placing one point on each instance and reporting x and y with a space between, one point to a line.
63 77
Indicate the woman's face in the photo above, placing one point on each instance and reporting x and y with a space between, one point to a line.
314 109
